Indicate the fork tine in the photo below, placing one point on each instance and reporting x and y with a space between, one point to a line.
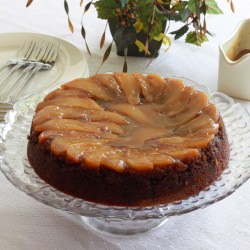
24 49
21 81
30 49
5 66
47 52
41 51
54 54
50 53
35 51
9 75
16 84
23 54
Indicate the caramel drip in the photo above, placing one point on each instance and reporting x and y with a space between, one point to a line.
139 137
121 120
241 53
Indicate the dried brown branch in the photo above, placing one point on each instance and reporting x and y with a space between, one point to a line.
29 3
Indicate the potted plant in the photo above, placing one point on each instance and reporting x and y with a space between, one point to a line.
139 27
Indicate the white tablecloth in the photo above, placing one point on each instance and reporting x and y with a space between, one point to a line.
27 224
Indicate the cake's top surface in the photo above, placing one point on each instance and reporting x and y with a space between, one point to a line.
125 120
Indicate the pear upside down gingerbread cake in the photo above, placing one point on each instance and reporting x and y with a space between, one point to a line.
128 140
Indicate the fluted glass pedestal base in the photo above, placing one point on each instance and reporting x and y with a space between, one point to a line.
122 227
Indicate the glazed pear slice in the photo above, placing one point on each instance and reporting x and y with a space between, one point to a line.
203 125
144 85
156 85
201 122
211 111
51 134
192 106
114 159
62 112
81 126
171 92
133 112
184 100
70 101
191 142
151 86
159 159
90 152
163 114
181 153
93 156
90 86
67 125
109 81
137 160
190 112
75 152
208 129
61 144
65 93
130 87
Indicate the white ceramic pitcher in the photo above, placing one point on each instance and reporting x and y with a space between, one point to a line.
234 63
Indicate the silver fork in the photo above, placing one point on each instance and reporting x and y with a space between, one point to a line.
22 57
42 56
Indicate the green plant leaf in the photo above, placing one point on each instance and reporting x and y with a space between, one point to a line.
173 16
83 32
123 37
123 3
185 14
144 11
106 55
103 36
212 7
181 15
196 38
180 32
142 47
157 28
102 39
203 8
106 8
180 6
87 6
192 4
66 7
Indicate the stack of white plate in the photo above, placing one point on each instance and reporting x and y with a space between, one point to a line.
70 64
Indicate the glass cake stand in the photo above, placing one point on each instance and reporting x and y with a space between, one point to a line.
122 220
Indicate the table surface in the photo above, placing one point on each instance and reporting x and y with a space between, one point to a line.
27 224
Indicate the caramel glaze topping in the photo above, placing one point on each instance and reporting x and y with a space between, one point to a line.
124 121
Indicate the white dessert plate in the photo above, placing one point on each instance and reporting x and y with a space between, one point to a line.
70 62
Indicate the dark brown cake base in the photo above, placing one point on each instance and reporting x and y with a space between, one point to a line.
131 188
